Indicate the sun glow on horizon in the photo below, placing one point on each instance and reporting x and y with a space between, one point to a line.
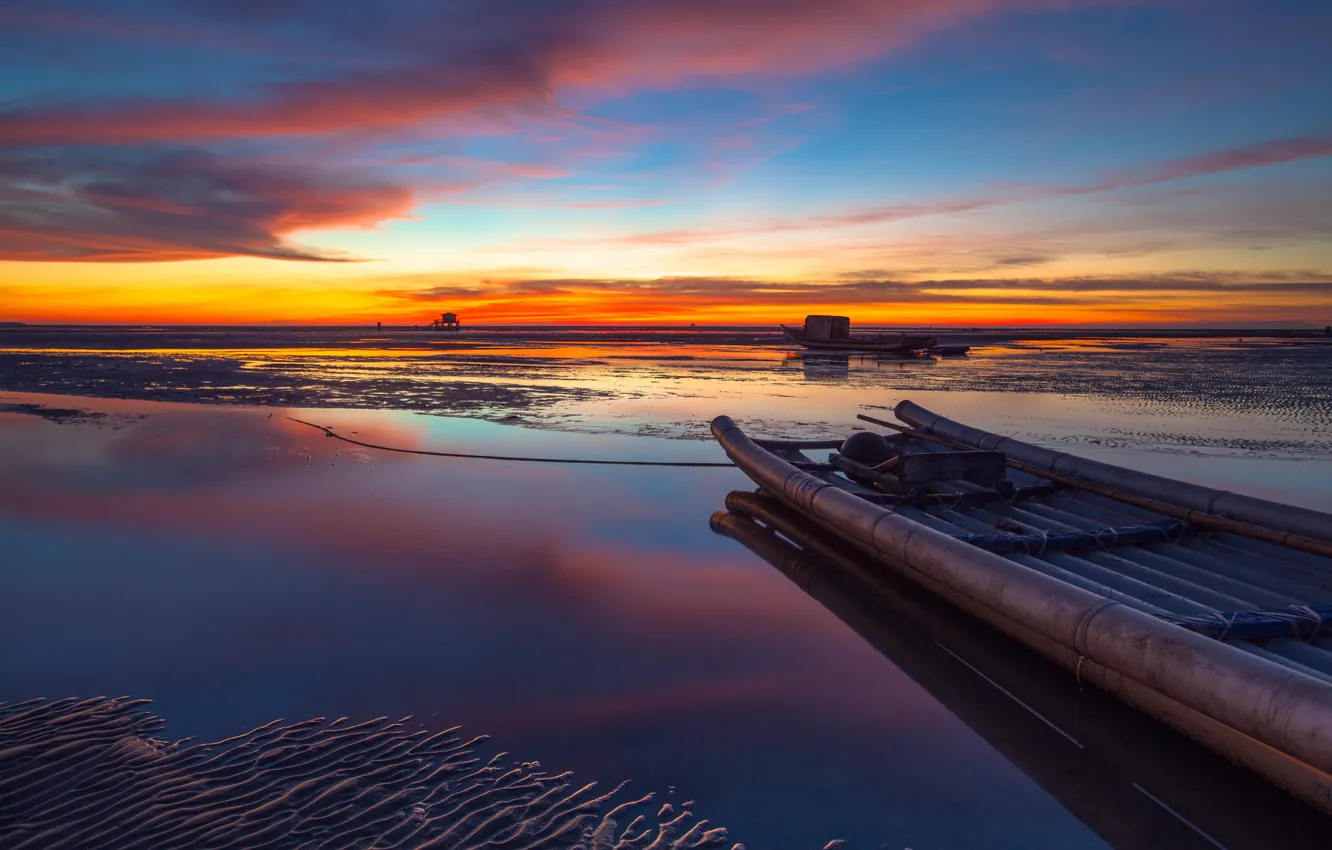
972 163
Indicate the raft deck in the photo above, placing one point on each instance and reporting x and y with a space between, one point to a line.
1235 647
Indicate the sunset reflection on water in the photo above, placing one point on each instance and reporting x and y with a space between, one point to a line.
235 566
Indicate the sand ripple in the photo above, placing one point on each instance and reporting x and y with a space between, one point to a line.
91 774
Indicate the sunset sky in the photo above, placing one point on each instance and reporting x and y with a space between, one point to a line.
722 161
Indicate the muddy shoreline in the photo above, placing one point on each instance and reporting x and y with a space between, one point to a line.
1269 397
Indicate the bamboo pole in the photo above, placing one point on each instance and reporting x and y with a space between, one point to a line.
1315 525
1146 659
1201 519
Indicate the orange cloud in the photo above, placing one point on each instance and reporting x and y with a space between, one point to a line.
514 57
362 102
132 206
143 296
978 301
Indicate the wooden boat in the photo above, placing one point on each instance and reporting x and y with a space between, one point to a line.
1129 779
833 333
1205 609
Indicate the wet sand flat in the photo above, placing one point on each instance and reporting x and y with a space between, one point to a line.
1260 395
170 533
237 568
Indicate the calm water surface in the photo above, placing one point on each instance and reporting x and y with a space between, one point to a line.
235 566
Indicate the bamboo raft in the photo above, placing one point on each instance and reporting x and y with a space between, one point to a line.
1127 778
1205 609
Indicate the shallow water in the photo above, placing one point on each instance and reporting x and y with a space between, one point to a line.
1201 396
235 567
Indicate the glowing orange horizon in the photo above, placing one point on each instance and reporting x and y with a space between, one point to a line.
348 309
258 292
665 163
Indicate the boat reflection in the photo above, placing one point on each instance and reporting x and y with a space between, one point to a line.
824 365
1130 779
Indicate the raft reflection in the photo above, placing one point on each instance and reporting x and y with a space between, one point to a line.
1128 778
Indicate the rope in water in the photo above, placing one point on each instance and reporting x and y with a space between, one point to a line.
329 432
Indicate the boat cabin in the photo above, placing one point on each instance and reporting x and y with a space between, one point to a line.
827 327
